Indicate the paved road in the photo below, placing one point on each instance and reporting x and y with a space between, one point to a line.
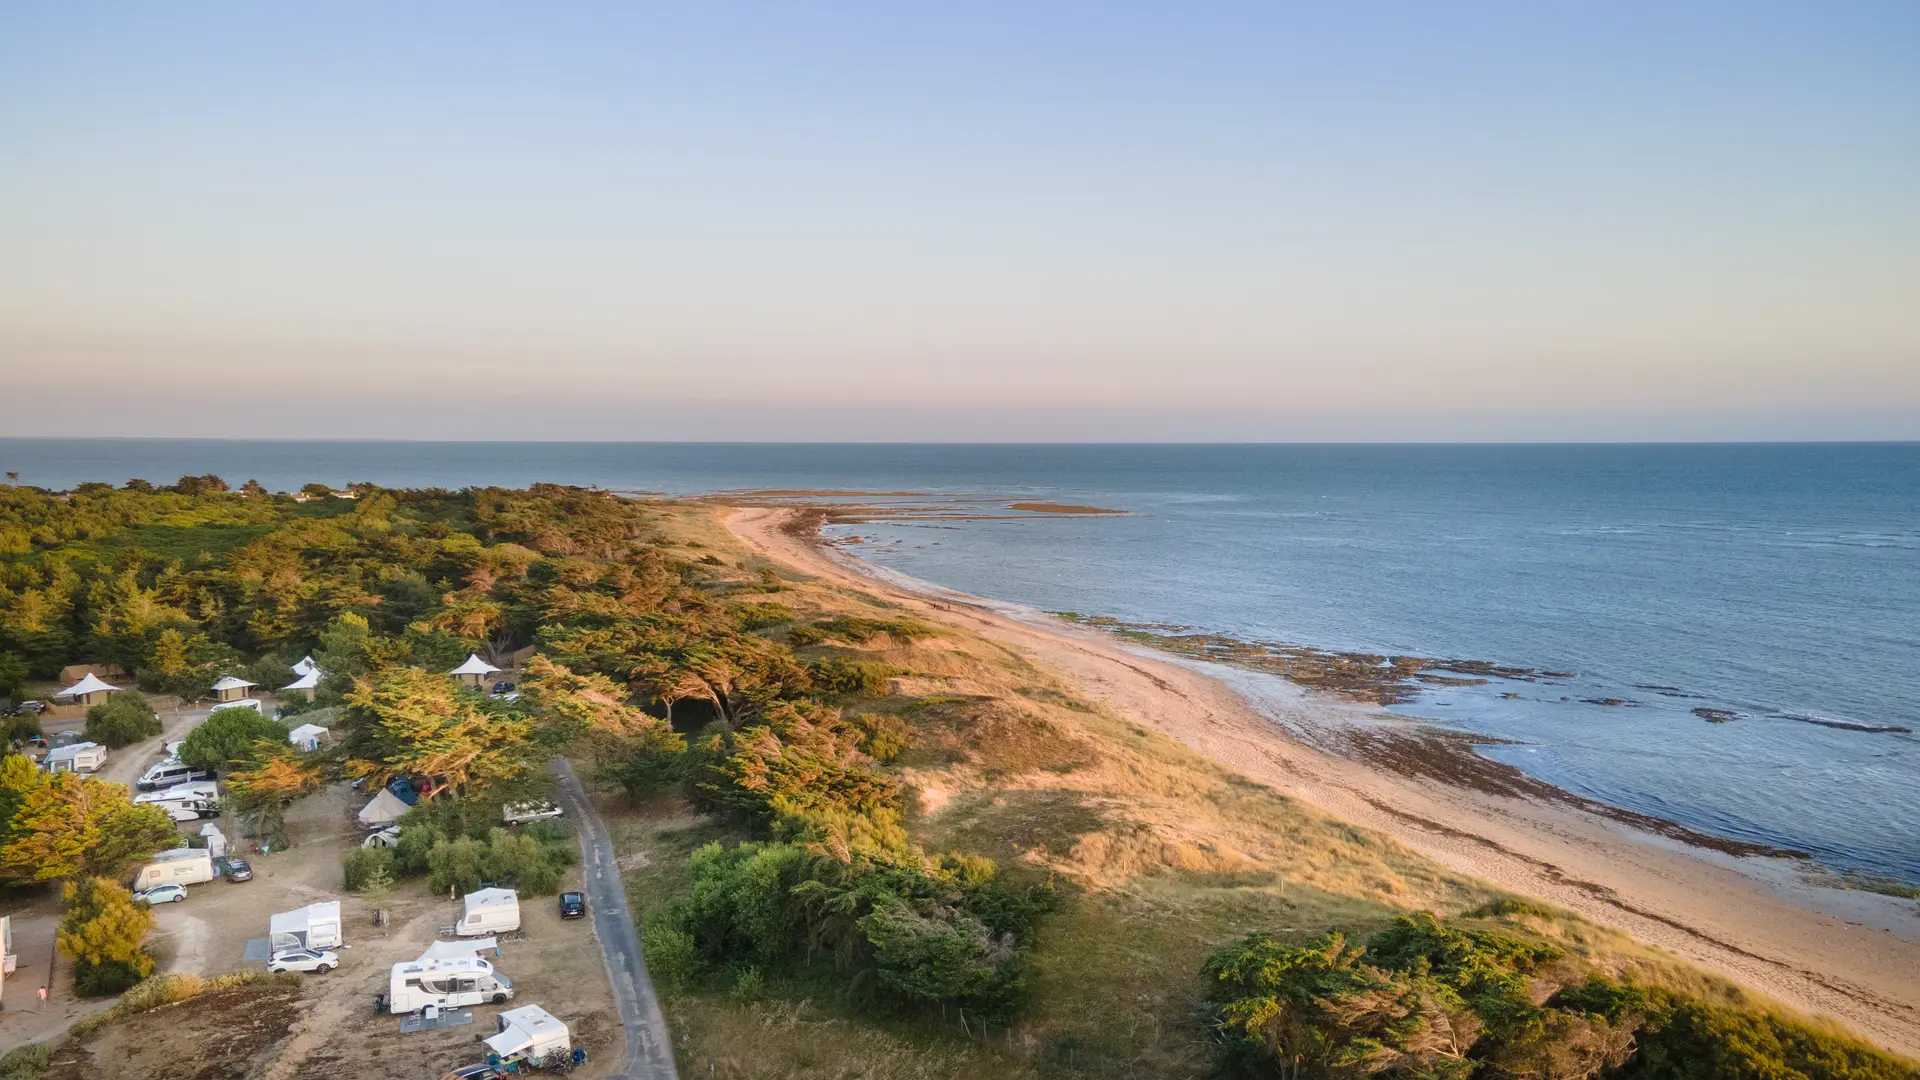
649 1050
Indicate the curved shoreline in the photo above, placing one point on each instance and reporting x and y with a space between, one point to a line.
1846 955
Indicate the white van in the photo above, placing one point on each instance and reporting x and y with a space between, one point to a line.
488 911
446 983
170 772
181 866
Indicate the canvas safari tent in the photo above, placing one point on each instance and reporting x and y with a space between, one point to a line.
474 671
304 685
385 809
529 1033
316 926
92 690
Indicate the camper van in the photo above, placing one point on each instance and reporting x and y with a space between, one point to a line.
190 809
77 757
448 983
488 911
198 789
181 866
170 772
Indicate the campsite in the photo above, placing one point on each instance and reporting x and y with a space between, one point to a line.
322 1027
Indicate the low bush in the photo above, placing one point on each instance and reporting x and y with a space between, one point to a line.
851 677
762 616
1425 999
361 864
26 1062
126 718
900 933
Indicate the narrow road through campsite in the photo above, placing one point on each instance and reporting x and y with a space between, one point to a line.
649 1049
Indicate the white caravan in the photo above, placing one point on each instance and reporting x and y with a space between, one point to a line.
447 983
488 911
79 757
530 1034
181 866
316 926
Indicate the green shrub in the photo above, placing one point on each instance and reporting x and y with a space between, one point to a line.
860 631
416 842
26 1062
361 863
126 718
805 635
671 956
761 616
227 737
849 677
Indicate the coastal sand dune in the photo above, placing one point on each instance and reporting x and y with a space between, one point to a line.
1858 960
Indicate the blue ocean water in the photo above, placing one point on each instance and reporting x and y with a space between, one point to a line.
1776 581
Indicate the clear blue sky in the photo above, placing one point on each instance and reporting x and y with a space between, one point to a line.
981 221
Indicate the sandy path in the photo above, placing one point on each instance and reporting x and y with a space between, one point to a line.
1732 917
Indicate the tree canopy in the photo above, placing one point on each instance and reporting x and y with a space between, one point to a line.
77 826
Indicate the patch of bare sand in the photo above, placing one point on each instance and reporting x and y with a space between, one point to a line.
1717 912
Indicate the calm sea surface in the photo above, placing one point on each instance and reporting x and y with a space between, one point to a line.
1776 581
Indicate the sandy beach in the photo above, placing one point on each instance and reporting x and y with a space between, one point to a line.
1849 955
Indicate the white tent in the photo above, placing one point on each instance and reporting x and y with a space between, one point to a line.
304 666
92 684
457 950
305 682
530 1032
474 667
385 809
306 736
216 840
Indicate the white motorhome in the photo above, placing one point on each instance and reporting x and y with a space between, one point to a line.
447 983
198 789
316 926
488 911
181 866
78 757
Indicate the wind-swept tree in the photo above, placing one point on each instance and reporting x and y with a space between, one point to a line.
102 932
408 722
275 775
77 826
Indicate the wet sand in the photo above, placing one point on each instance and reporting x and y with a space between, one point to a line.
1854 956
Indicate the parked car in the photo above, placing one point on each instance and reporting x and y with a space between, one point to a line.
481 1071
238 870
521 813
162 894
318 961
26 707
573 905
502 687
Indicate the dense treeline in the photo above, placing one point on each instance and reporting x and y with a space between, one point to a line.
1422 999
638 645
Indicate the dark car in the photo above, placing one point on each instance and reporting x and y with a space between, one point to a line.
573 905
503 688
238 870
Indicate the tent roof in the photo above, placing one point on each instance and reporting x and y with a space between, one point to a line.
491 898
228 682
307 731
458 950
305 682
72 750
385 809
297 920
304 666
474 666
92 684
